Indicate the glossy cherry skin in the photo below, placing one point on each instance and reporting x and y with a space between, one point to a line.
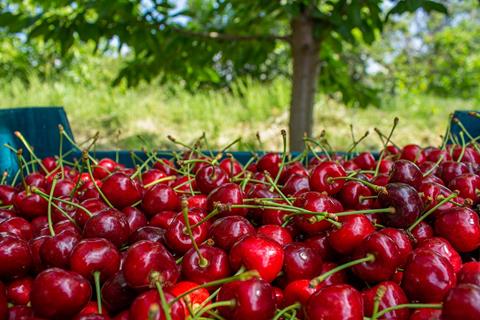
320 177
160 198
18 291
148 306
15 257
94 206
275 232
153 177
135 218
198 201
59 294
426 314
231 167
228 230
195 300
20 312
298 291
412 152
7 194
350 235
110 224
406 202
461 227
17 226
405 171
147 262
365 161
258 253
253 300
30 205
151 233
335 302
165 165
443 248
6 214
269 162
301 262
55 251
295 184
209 178
467 186
421 232
163 219
120 190
217 265
470 273
227 194
95 254
402 241
386 255
452 169
352 196
116 293
428 276
393 296
462 303
321 245
178 239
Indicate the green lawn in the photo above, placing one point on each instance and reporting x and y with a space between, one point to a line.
122 114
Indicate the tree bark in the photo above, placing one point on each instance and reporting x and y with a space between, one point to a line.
305 53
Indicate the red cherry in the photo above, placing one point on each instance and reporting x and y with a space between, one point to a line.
443 248
316 202
165 165
365 161
426 314
428 276
406 202
421 232
7 194
405 171
275 232
258 253
163 219
55 251
160 198
116 293
30 205
470 273
227 194
335 302
18 291
17 226
59 294
355 195
295 184
110 224
147 262
228 230
301 262
402 242
252 299
135 218
120 190
148 306
194 299
15 257
452 169
321 177
461 227
413 153
151 233
177 238
298 291
393 295
104 167
462 303
467 186
217 265
153 176
231 167
321 245
209 178
354 228
269 162
198 201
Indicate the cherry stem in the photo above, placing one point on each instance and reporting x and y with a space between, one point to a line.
387 141
284 156
76 205
472 140
244 182
462 138
29 149
78 182
432 169
163 301
141 167
213 213
3 180
276 188
169 178
241 276
447 132
429 212
22 175
357 142
390 210
210 298
60 151
226 303
376 301
228 146
374 187
316 281
76 145
89 169
295 306
202 261
245 168
410 306
49 208
98 291
308 140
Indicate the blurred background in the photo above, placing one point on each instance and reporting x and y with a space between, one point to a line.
137 71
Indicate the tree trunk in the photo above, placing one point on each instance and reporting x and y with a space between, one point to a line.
305 51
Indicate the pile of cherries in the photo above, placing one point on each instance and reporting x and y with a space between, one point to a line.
205 237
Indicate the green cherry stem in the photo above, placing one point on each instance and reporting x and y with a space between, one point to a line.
429 212
89 169
284 156
163 301
226 303
98 291
287 309
202 261
49 208
409 306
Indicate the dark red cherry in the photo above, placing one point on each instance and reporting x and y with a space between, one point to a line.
94 206
467 186
354 228
160 198
3 303
365 161
148 306
120 190
6 214
104 167
402 241
147 262
30 205
406 202
470 273
21 313
217 265
231 167
151 233
428 276
295 184
253 299
15 257
421 232
116 293
275 232
209 178
462 303
413 153
356 196
335 302
162 219
258 253
321 245
178 239
393 295
55 251
7 194
443 248
18 291
322 177
461 227
59 294
301 262
269 162
135 218
228 230
405 171
17 226
426 314
110 224
35 245
452 169
227 194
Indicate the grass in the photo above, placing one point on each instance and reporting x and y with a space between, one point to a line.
122 114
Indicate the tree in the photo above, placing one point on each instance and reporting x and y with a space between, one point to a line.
211 42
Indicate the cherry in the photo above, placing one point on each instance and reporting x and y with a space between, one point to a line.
59 294
321 245
365 161
350 165
148 305
165 165
250 299
258 253
104 167
35 245
426 314
55 250
391 294
18 291
147 262
30 205
15 257
93 206
6 214
228 230
402 242
461 227
432 193
452 169
7 194
195 299
413 153
321 177
428 276
35 179
110 224
333 302
275 232
315 202
434 154
120 190
381 180
269 162
184 184
296 183
406 202
355 195
135 218
354 228
17 226
116 293
91 316
470 273
198 201
231 167
160 198
467 186
227 194
298 291
217 265
63 187
209 178
385 258
443 248
153 177
162 219
151 233
385 166
405 171
177 237
21 313
462 303
301 262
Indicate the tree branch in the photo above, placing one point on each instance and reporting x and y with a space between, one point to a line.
218 36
